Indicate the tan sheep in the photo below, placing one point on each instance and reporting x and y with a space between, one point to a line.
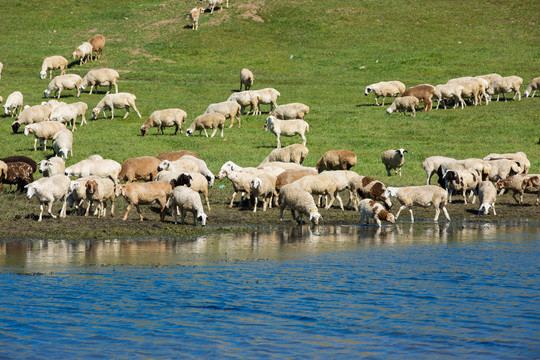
231 109
516 184
341 159
30 115
207 121
267 96
43 131
295 153
384 89
140 168
165 118
246 79
297 199
116 101
83 52
100 190
402 104
532 185
63 82
144 194
263 185
291 111
393 159
52 63
100 77
505 85
533 86
175 155
98 43
194 16
423 93
487 194
245 99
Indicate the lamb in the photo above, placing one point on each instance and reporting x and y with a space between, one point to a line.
30 115
341 159
211 121
100 77
145 194
66 114
433 163
61 82
502 168
231 109
263 185
52 166
165 118
519 157
175 155
367 188
52 63
267 96
384 89
63 143
84 52
140 168
462 180
246 77
185 199
393 159
194 16
198 182
295 153
14 103
291 111
116 101
424 195
514 183
48 190
449 91
297 199
104 168
241 182
286 128
247 98
487 194
98 43
505 85
100 190
43 131
402 104
533 86
290 176
321 185
371 209
212 4
532 185
423 93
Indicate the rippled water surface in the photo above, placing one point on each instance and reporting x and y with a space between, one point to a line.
423 291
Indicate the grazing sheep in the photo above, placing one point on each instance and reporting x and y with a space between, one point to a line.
321 185
433 163
370 209
487 194
489 78
207 121
185 165
297 199
14 103
185 199
341 159
503 168
81 107
198 182
52 166
165 118
194 16
384 89
52 63
63 143
61 82
145 194
139 168
48 190
393 159
402 104
286 128
231 109
506 85
462 180
295 153
98 43
532 185
246 78
43 131
83 52
519 157
30 115
533 86
514 183
104 168
471 88
291 111
19 173
65 114
245 99
100 77
449 91
24 159
267 96
263 185
423 93
100 190
175 155
425 196
367 188
77 193
116 101
290 176
241 182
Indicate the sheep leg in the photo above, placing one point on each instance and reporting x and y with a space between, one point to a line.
255 206
35 144
376 102
204 132
49 210
83 120
399 211
207 202
40 212
127 113
221 131
213 132
437 212
329 204
92 88
137 111
88 208
182 215
232 200
388 171
59 91
493 207
127 212
232 121
278 142
112 207
64 207
281 208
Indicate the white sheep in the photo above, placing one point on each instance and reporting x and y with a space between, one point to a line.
291 111
425 196
81 107
432 164
404 103
84 52
489 78
116 101
533 86
145 194
48 190
449 91
14 103
322 184
63 143
393 159
462 181
65 114
207 121
43 131
194 16
384 89
247 98
483 167
263 185
212 4
342 179
53 166
286 128
487 194
520 157
165 118
297 199
503 168
246 76
241 182
203 168
506 85
198 182
295 153
370 209
100 77
230 109
267 96
61 82
52 63
100 190
185 199
104 168
77 193
183 165
474 88
31 115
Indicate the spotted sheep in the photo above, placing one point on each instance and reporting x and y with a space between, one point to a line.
370 209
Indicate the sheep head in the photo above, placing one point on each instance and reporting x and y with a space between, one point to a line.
368 90
30 191
42 74
95 113
28 129
202 218
390 192
315 217
120 190
15 126
91 187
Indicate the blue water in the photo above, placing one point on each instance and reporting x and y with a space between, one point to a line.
422 291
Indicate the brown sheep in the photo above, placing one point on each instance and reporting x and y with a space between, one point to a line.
532 186
98 43
145 194
423 93
140 168
19 173
368 188
516 183
336 160
175 155
290 176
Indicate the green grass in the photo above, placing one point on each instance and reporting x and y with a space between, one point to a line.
320 53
